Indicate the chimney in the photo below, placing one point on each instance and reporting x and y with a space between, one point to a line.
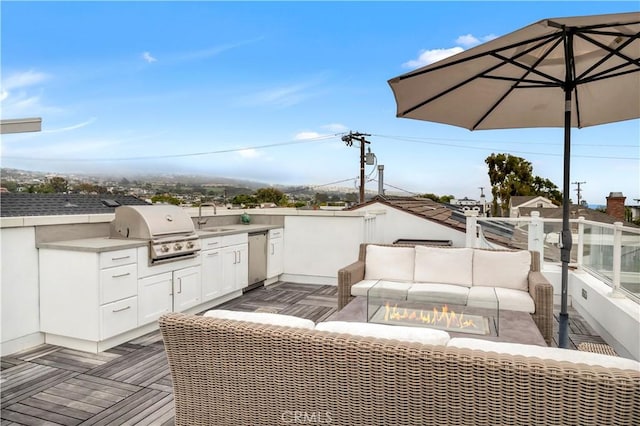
615 205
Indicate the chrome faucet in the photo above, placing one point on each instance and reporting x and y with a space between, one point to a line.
200 221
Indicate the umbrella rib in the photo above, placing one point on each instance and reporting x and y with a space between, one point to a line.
545 38
515 85
612 52
483 73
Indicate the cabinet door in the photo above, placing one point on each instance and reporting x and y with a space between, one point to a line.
211 274
242 266
228 276
187 288
275 257
154 297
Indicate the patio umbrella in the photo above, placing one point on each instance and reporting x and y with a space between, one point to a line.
564 72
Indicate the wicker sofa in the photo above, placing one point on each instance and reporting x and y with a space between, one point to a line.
463 272
231 372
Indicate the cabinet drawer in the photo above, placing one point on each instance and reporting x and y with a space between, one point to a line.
233 239
118 283
118 317
211 243
118 257
275 233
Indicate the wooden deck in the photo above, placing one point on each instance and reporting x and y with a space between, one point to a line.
130 384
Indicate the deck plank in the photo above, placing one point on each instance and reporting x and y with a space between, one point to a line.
131 383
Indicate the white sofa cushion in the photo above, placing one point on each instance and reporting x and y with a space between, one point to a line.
393 290
440 293
389 263
362 287
408 334
507 269
262 318
557 354
508 299
444 265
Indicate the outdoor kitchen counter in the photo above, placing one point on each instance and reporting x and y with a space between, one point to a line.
220 230
96 245
103 244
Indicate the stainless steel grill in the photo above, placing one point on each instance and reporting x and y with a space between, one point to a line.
169 230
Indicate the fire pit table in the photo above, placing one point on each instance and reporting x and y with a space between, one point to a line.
505 325
388 304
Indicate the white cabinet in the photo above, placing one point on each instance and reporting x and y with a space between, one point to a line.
275 253
187 288
211 267
155 297
174 291
235 267
224 266
88 295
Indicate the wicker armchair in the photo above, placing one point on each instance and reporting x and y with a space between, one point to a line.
540 289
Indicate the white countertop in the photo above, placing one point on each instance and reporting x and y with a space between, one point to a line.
100 244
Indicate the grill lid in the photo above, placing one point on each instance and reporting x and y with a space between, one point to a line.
151 222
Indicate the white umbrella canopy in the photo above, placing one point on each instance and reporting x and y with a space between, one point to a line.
517 80
559 72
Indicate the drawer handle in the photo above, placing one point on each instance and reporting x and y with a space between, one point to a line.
212 254
273 248
122 309
120 258
121 275
215 243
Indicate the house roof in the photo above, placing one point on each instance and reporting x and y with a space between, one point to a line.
446 214
518 200
29 204
575 212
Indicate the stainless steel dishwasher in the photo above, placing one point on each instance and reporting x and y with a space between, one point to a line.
257 259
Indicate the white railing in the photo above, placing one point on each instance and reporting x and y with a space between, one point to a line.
611 252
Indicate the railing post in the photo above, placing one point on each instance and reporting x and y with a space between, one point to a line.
580 255
536 234
472 221
617 259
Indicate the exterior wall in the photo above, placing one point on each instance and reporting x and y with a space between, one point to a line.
616 320
393 224
540 202
317 245
20 290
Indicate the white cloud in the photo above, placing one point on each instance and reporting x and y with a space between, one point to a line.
306 135
249 153
427 57
335 127
148 58
23 79
72 127
467 40
3 95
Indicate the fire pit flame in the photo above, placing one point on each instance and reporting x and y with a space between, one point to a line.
442 317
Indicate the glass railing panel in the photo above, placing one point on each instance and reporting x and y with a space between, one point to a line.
630 262
598 251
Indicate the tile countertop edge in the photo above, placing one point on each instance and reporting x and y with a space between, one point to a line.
102 244
97 245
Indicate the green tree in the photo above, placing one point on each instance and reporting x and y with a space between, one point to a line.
437 198
509 175
55 184
165 198
271 195
548 189
245 199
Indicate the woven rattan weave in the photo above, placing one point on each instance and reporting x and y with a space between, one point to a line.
239 373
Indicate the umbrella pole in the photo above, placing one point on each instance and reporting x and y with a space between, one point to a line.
565 239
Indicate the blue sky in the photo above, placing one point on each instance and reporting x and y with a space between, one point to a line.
259 91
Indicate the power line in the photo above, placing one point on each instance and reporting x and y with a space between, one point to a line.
194 154
424 141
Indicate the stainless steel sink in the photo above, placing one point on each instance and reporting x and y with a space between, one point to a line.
217 229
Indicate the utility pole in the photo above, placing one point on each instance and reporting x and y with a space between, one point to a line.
579 190
348 140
